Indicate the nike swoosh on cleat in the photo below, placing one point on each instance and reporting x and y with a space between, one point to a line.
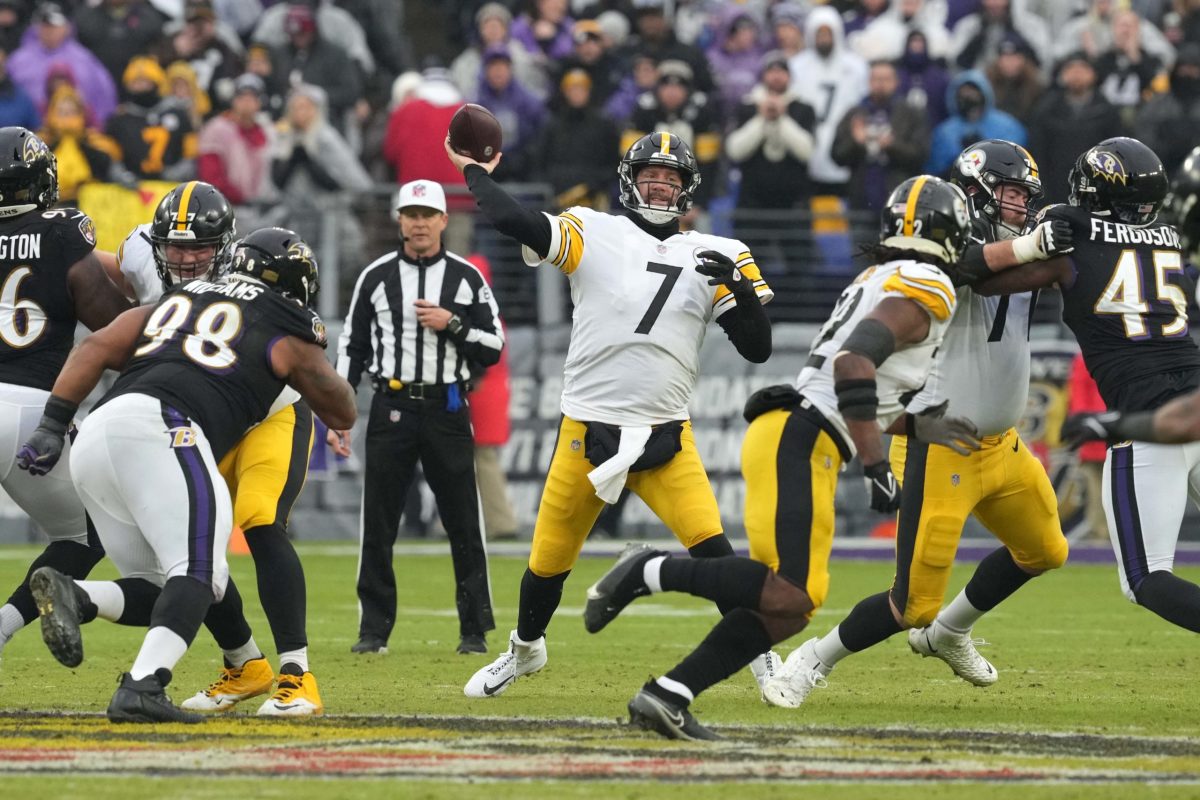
675 719
592 594
491 690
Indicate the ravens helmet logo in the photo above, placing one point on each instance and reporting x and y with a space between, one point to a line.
1107 166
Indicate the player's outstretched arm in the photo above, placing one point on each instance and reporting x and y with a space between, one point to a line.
97 299
1027 277
530 228
1176 422
304 366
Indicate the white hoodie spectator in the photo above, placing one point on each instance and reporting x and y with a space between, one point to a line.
884 37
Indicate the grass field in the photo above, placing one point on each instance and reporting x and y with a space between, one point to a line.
1096 698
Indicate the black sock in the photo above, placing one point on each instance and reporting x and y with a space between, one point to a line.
996 577
72 559
181 607
226 620
140 597
291 669
281 587
730 645
730 582
539 600
868 623
714 547
1172 598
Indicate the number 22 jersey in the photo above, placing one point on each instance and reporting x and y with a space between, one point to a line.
641 313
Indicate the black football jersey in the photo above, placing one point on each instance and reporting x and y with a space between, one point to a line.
205 351
152 140
1128 309
37 313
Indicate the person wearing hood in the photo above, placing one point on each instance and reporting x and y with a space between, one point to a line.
736 59
49 41
884 37
831 79
923 79
576 148
1016 79
1168 122
973 116
16 107
154 129
493 25
520 112
84 154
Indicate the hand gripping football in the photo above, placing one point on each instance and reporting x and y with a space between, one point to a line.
475 132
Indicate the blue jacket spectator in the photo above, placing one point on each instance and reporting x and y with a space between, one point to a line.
973 116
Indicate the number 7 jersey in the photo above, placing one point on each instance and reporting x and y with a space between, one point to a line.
641 313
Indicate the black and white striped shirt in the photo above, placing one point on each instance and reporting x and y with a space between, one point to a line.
382 335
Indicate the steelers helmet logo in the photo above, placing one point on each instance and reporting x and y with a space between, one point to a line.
1107 166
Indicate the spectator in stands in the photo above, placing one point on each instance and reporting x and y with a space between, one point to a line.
1189 22
883 140
923 80
117 30
864 13
973 116
196 42
183 86
1168 122
336 25
831 79
84 154
977 37
493 23
155 133
1125 73
311 57
735 58
576 149
655 38
593 56
1093 34
545 32
236 148
1067 120
1016 80
770 145
787 27
641 80
240 15
258 62
16 107
520 112
53 43
675 107
382 22
13 16
884 38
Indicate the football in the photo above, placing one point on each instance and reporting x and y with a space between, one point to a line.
475 132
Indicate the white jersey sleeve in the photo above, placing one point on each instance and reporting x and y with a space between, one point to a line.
135 259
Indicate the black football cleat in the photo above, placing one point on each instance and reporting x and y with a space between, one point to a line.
672 720
472 644
145 700
618 587
59 602
370 643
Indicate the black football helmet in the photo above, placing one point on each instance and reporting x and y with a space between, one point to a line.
1182 205
660 149
192 215
28 172
1119 178
280 259
926 215
981 169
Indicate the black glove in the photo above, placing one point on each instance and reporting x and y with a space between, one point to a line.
934 427
1082 428
45 446
720 269
885 492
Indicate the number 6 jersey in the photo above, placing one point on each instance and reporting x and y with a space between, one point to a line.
641 312
205 350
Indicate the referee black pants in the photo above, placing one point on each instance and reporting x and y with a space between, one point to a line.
399 432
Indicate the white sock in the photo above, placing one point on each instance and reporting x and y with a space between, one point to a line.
652 573
108 597
957 618
297 657
675 687
11 621
238 656
161 648
830 650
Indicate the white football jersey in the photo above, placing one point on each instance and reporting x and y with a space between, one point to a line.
641 312
901 376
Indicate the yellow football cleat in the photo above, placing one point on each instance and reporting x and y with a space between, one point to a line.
251 679
296 696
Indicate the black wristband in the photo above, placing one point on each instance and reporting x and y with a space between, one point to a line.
59 412
857 398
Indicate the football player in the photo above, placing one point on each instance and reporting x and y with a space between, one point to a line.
644 293
198 369
1123 299
872 356
191 237
50 279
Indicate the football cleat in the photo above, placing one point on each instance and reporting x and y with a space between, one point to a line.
472 644
368 643
801 673
617 588
957 650
672 720
235 685
765 667
58 601
297 696
521 658
145 700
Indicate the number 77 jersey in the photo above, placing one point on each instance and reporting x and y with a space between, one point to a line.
641 313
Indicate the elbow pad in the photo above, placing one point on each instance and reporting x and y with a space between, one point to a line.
857 398
872 340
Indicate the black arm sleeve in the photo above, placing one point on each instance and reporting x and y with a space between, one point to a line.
530 228
749 328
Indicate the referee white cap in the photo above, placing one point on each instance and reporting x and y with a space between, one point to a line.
421 193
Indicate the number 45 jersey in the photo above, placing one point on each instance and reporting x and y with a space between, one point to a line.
900 378
205 351
641 312
1127 308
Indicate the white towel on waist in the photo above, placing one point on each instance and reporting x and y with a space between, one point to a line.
609 477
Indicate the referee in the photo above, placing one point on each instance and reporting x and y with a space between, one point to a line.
417 317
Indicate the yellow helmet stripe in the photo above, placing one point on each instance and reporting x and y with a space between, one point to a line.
185 200
664 142
910 206
1033 167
